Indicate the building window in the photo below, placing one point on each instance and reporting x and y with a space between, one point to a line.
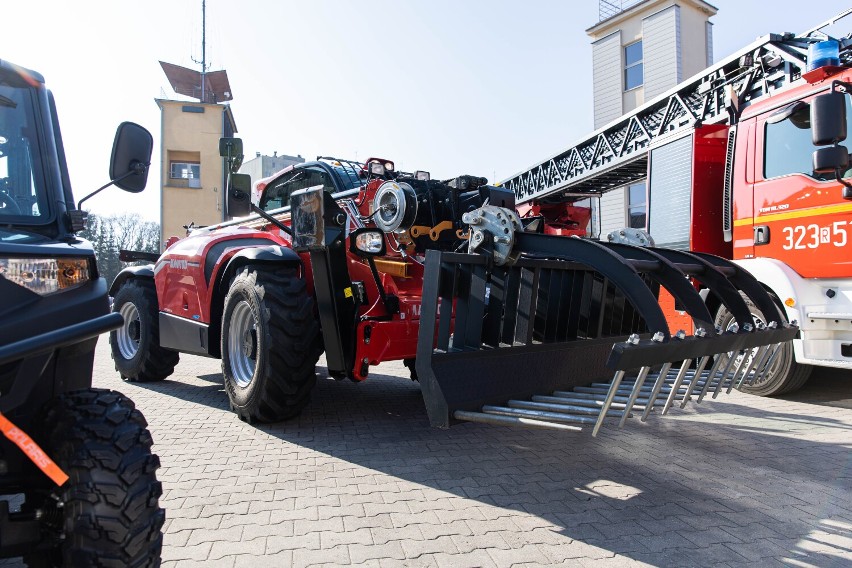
633 74
637 206
189 171
185 170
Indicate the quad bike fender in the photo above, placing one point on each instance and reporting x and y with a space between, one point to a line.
144 271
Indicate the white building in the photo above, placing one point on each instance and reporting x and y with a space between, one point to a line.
262 166
640 49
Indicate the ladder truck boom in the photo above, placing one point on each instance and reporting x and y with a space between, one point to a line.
616 154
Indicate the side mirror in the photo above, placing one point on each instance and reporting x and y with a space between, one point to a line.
828 119
131 156
307 218
366 242
831 159
232 150
239 195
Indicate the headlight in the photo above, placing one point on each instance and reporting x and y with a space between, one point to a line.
368 242
395 206
45 275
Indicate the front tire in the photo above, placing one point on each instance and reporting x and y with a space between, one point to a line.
107 513
136 344
784 374
270 344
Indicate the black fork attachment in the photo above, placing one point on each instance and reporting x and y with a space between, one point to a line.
580 321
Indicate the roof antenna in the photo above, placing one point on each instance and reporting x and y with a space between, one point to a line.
203 61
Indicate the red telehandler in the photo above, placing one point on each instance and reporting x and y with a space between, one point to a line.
367 264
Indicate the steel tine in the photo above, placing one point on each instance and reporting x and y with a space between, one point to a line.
738 366
658 385
728 364
768 357
697 377
764 363
616 380
643 374
758 354
676 386
748 329
661 380
658 337
776 347
737 370
709 380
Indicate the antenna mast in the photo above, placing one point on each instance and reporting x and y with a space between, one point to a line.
203 61
214 85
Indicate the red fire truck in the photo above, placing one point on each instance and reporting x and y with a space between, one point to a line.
745 161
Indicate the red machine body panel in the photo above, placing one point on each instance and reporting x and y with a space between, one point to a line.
186 272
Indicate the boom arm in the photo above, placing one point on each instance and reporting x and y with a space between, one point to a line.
616 154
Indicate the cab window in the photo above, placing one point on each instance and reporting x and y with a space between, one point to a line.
277 193
788 148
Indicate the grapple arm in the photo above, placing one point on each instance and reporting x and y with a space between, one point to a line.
562 313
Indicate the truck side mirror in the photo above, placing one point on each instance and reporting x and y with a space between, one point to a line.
828 119
232 150
131 156
239 195
831 159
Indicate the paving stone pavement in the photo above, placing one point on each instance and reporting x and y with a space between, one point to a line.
361 479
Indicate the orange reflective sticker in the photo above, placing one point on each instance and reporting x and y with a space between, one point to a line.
32 451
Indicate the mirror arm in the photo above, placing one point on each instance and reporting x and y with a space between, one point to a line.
136 168
391 303
847 187
846 88
271 219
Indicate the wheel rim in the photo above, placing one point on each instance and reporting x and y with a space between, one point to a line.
127 336
242 344
770 370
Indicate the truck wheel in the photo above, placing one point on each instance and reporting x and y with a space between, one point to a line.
784 374
136 345
107 513
270 344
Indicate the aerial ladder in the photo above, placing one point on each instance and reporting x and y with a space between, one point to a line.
616 154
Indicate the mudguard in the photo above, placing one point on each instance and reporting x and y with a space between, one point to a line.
271 254
144 271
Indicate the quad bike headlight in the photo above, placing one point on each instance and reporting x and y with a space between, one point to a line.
46 276
395 207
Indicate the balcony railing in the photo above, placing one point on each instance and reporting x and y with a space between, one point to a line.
609 8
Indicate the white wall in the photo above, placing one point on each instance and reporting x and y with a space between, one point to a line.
606 78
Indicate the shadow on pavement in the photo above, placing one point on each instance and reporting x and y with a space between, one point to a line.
700 489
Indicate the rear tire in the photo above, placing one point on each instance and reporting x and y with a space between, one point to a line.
270 344
136 344
107 513
785 374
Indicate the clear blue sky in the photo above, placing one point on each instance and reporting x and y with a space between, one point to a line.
485 87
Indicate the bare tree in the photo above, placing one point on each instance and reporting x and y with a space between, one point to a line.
111 233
